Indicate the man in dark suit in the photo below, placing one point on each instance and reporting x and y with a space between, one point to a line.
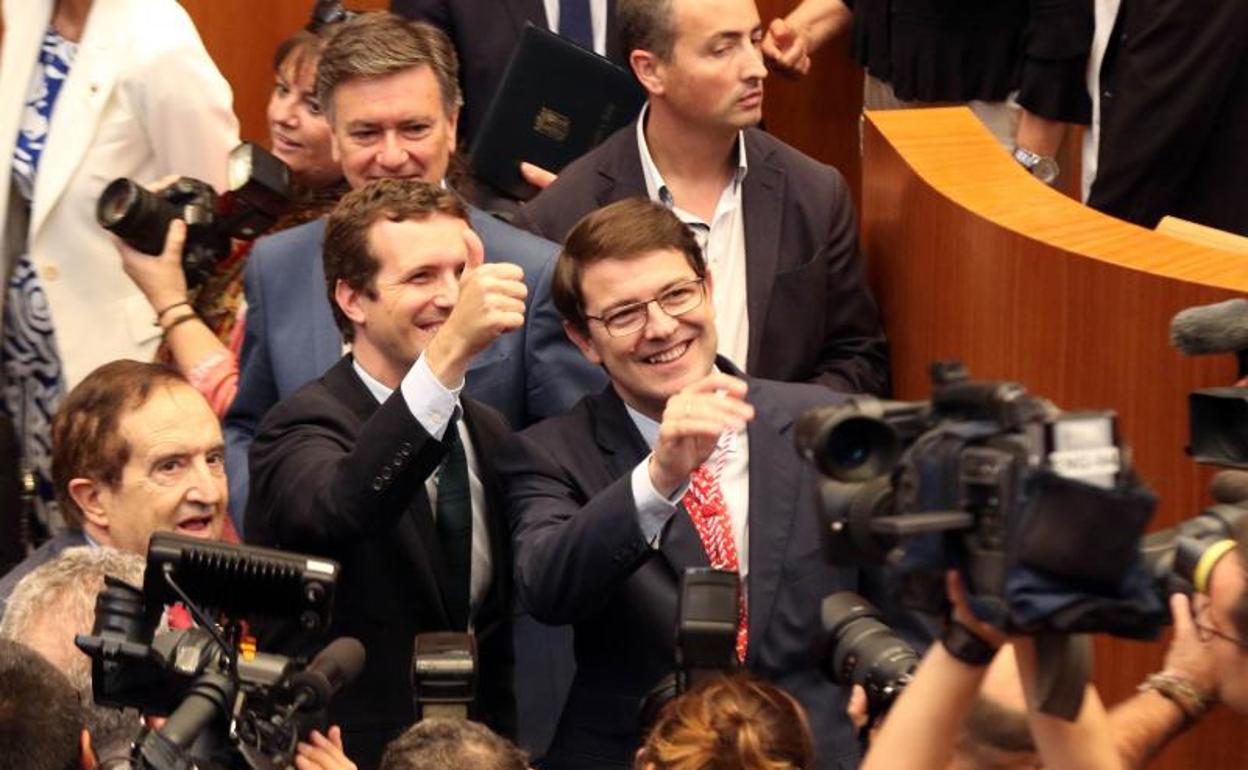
778 228
681 462
486 32
347 466
393 115
135 449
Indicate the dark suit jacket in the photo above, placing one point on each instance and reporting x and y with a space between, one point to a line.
581 559
291 338
812 317
485 33
336 474
1174 114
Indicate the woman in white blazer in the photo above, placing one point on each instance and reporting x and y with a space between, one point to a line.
138 97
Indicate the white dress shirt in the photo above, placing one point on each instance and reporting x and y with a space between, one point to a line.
723 247
433 406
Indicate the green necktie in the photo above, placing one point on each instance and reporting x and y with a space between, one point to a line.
454 521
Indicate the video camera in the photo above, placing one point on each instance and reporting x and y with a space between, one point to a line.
258 194
228 704
1038 508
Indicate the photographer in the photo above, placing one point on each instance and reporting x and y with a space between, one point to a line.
203 331
41 723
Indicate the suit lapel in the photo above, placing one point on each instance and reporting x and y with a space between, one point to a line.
22 39
416 534
481 436
620 175
774 487
763 199
76 116
622 448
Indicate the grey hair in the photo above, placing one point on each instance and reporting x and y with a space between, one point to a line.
452 744
67 586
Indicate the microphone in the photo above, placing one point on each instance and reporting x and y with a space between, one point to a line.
1230 487
334 667
1218 328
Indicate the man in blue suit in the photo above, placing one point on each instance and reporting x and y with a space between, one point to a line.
391 93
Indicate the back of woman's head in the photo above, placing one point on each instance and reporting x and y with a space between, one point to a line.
730 723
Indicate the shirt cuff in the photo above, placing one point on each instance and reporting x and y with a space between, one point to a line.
653 509
429 401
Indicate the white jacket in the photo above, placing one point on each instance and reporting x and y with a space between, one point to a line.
142 100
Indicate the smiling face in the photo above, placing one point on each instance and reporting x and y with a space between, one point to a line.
650 365
174 478
415 290
393 127
298 131
714 76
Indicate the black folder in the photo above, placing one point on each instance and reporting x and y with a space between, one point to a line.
556 101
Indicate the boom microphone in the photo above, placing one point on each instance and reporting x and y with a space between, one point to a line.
1208 329
334 667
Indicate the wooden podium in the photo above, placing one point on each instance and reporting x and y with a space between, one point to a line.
972 258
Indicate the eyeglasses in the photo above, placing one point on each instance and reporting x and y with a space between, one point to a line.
675 301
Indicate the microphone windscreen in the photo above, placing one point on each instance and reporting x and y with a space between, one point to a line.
1217 328
340 662
1229 487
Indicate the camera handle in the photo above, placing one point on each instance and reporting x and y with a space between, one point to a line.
1063 668
211 697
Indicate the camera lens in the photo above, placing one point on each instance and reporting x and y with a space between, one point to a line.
863 650
138 217
846 444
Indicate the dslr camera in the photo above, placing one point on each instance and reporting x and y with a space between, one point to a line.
258 194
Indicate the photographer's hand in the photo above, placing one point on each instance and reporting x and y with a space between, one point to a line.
693 420
160 278
323 753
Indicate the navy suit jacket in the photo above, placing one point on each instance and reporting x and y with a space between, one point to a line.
812 317
485 33
581 559
291 338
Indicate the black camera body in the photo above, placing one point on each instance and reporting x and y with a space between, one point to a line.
228 703
1038 508
860 648
259 192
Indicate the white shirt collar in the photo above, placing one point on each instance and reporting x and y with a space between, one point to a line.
379 390
656 188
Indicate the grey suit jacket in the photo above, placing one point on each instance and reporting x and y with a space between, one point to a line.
291 339
812 317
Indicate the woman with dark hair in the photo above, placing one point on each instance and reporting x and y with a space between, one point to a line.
203 331
731 722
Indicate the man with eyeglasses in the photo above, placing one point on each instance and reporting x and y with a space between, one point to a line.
681 462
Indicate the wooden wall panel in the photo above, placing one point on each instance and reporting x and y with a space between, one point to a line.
972 258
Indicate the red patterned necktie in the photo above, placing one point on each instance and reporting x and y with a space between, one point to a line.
705 504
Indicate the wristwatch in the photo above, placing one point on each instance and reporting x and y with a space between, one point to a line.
1041 167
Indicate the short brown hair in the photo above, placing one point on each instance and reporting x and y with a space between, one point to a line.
347 252
626 229
646 25
731 721
377 44
299 49
86 432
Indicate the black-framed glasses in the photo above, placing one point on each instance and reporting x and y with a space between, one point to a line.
675 300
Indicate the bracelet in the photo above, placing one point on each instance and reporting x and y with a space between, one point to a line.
962 643
1181 692
161 313
164 332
